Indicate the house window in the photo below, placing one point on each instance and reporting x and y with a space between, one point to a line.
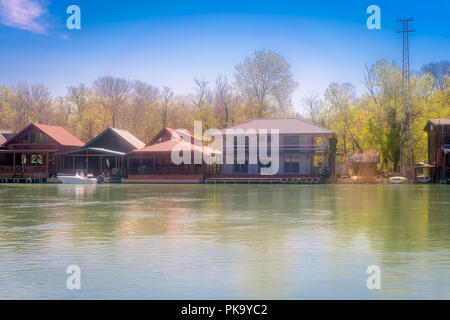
24 139
32 138
291 142
37 160
240 168
291 163
41 138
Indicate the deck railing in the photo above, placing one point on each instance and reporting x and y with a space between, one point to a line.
293 148
163 171
6 169
25 169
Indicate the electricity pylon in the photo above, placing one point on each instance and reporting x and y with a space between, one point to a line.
406 145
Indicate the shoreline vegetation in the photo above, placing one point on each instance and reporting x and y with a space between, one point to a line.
262 87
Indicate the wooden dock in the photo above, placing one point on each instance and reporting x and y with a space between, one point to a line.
255 180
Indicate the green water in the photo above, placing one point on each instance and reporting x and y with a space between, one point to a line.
225 241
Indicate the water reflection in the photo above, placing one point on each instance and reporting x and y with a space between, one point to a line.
224 241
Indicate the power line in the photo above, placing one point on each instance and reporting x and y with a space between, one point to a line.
406 147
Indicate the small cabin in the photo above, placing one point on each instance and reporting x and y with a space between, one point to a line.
439 148
364 164
102 155
31 153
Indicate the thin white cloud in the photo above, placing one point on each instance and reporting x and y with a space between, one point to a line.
23 14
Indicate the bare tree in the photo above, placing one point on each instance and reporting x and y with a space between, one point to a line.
77 98
145 96
32 103
312 104
223 97
439 71
167 93
340 98
263 80
112 94
202 92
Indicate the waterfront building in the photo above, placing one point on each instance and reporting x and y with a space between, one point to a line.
31 153
102 155
153 163
439 148
305 150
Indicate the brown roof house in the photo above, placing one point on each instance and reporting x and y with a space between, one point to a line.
31 153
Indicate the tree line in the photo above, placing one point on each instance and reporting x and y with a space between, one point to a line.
261 87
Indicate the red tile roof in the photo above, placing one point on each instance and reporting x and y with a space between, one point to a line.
176 134
60 135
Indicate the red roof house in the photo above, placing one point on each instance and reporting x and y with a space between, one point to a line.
153 163
31 153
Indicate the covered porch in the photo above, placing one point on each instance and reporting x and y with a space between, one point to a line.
24 164
158 167
93 161
154 163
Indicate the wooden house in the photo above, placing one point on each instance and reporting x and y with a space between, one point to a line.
153 163
305 150
439 148
102 155
31 153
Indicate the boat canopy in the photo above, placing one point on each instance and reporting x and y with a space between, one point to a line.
91 150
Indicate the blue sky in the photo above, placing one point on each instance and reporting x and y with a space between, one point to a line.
168 43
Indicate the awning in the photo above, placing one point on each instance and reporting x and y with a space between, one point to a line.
92 151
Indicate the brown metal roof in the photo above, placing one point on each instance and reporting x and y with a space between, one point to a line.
123 134
285 126
436 122
131 139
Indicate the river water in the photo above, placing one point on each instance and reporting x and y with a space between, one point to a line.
225 241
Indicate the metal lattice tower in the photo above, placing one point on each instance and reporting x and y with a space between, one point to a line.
406 147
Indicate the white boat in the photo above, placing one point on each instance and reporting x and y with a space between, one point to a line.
424 179
78 178
397 180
